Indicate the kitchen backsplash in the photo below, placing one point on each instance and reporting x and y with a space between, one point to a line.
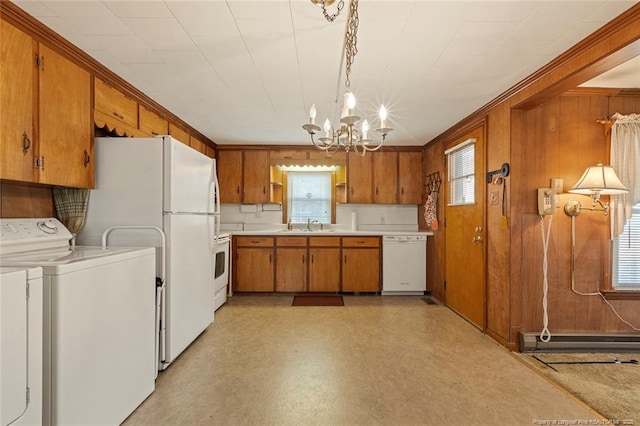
368 217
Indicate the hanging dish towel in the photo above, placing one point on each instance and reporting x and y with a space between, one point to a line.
430 210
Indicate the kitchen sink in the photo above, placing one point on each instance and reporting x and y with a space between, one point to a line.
312 231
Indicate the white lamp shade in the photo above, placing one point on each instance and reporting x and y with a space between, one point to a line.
599 179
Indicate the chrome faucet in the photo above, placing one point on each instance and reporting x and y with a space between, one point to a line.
315 221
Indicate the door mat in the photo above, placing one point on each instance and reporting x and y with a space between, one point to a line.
317 301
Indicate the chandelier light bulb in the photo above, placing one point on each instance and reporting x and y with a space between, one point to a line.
327 127
351 101
365 129
312 114
383 117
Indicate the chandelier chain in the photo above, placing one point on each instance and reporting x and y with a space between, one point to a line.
347 135
351 40
333 16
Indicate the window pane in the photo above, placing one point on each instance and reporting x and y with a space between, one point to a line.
626 254
309 196
461 173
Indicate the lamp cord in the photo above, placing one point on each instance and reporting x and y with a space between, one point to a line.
573 278
545 334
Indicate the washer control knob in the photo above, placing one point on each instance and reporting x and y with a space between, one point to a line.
48 227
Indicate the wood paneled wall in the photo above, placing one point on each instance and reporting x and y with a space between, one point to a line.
525 129
561 138
25 200
433 161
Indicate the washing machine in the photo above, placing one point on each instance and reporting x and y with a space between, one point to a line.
21 346
99 331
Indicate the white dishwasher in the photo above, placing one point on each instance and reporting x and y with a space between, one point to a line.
404 264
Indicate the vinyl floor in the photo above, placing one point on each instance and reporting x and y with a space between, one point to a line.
378 360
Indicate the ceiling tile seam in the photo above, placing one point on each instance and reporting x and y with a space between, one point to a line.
211 66
450 41
404 28
295 43
244 42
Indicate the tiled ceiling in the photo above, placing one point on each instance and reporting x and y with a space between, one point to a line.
246 72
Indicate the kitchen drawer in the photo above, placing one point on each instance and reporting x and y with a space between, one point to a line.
152 123
360 242
291 241
254 241
324 241
115 104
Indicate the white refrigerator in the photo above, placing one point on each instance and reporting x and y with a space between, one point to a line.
147 187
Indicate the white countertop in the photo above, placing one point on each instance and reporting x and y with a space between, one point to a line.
327 233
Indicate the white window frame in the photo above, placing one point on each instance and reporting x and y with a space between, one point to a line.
461 173
625 259
325 217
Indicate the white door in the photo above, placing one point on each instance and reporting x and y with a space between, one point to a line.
187 179
189 295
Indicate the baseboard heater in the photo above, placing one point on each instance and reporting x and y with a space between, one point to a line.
531 342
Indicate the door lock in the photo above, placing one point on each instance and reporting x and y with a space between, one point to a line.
477 239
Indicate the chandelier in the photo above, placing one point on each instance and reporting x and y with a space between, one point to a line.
346 135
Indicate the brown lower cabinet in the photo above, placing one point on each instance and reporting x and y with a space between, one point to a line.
324 264
253 264
360 264
321 264
291 264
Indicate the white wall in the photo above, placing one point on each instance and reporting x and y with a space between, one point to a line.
369 217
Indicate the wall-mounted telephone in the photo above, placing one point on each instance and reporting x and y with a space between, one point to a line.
546 201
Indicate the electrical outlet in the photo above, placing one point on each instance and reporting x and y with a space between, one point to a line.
494 198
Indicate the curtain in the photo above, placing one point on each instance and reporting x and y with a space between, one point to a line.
71 208
625 160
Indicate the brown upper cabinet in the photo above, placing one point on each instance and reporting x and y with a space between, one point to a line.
359 179
17 104
151 123
113 107
59 149
385 177
230 176
256 178
197 144
179 133
410 178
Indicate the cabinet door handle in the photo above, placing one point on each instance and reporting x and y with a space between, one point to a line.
312 259
345 259
352 190
238 190
401 191
120 116
264 189
269 257
154 133
376 190
26 143
303 258
87 158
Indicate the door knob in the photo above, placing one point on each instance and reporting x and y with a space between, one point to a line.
478 229
477 239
